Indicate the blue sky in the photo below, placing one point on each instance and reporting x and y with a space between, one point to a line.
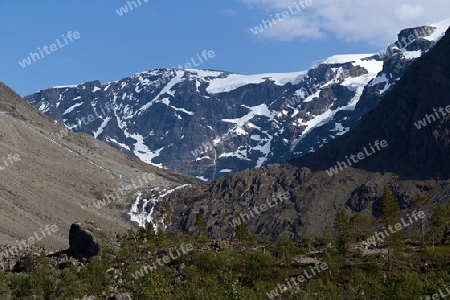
160 34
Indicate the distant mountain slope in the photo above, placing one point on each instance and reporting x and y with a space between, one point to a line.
415 161
211 123
51 176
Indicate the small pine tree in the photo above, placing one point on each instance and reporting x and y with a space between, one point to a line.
389 209
389 212
241 229
359 227
201 224
342 227
439 223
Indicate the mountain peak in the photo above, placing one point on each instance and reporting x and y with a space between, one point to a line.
218 122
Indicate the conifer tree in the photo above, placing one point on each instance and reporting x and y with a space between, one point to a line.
389 209
389 212
241 229
341 225
359 227
201 224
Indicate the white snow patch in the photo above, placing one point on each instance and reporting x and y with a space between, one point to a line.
64 86
265 150
340 59
241 154
259 110
110 139
44 107
357 85
203 157
441 28
412 54
205 73
167 102
379 79
70 109
143 152
311 96
235 81
340 129
100 129
166 90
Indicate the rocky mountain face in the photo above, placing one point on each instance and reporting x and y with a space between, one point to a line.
50 178
403 143
211 123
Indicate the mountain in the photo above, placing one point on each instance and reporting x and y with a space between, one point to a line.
212 123
50 176
403 143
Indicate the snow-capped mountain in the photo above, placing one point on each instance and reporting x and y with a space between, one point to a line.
211 123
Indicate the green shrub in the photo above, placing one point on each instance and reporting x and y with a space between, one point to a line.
257 266
155 287
95 276
209 262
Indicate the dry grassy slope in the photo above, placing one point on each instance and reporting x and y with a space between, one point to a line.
57 179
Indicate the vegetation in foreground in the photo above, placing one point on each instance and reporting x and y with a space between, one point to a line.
409 264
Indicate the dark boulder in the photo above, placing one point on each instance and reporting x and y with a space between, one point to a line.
83 240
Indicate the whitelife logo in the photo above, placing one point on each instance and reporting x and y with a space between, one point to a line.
124 9
11 159
382 235
205 54
356 158
411 38
431 118
284 15
438 296
281 288
241 218
14 250
185 249
48 50
124 190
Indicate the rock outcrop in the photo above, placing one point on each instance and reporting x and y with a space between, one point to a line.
84 240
